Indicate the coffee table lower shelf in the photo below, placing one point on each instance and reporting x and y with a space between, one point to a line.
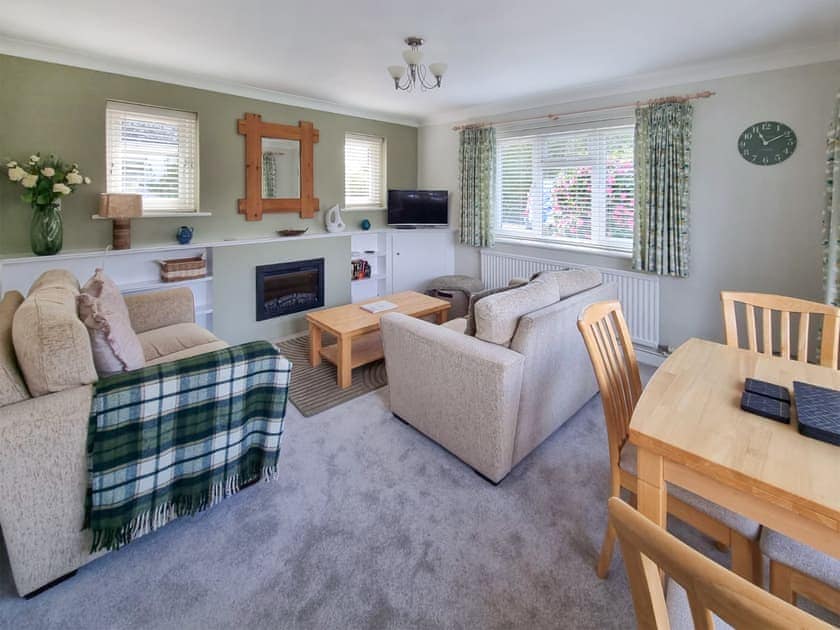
365 349
357 330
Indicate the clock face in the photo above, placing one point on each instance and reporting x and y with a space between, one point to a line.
767 143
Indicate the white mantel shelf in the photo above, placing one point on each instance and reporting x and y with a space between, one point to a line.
233 242
400 261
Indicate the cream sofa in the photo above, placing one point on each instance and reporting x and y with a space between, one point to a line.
493 398
45 400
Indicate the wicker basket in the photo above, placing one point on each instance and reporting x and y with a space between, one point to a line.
178 269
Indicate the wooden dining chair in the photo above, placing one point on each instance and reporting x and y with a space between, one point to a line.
763 305
610 348
708 587
798 569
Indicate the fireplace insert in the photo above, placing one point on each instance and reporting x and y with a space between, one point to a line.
291 287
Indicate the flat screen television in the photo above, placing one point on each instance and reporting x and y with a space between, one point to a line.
418 208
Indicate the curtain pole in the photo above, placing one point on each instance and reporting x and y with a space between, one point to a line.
652 101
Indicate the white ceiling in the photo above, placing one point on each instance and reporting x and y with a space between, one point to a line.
497 50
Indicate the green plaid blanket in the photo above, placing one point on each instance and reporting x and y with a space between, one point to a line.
173 439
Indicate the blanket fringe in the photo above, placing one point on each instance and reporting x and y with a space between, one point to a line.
149 521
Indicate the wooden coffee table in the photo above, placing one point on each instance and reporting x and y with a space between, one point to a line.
357 331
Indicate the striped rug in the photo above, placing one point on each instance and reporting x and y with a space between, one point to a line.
314 389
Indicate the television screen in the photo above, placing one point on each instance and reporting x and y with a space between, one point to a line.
418 207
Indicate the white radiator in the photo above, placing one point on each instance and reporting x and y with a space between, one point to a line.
637 292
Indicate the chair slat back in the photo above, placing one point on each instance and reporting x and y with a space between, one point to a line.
710 588
610 348
766 304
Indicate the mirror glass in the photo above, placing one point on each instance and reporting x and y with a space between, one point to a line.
280 168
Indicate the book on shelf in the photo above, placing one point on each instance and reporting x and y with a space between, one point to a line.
360 269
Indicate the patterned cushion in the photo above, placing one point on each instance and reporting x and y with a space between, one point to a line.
12 387
741 524
801 557
51 344
115 345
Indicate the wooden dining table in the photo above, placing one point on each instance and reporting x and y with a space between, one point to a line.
689 430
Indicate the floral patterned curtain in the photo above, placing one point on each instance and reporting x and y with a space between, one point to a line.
269 175
477 157
662 159
831 214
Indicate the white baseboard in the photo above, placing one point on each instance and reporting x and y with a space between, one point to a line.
649 356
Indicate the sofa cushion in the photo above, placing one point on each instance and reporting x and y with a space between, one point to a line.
115 345
51 343
496 316
572 281
189 352
55 278
459 325
169 340
12 386
475 297
801 557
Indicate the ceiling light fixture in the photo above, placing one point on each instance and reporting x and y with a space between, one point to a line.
416 73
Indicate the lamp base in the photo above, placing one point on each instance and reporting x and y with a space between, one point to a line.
122 234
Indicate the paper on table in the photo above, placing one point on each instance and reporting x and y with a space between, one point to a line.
378 307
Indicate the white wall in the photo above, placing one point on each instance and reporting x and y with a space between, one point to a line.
754 228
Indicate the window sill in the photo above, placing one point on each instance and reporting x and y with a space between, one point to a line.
362 208
580 249
157 215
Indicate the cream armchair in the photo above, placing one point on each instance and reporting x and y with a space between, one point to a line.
493 398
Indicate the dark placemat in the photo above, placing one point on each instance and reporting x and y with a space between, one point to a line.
818 411
766 407
763 388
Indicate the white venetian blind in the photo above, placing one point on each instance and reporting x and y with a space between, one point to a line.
364 171
153 151
572 186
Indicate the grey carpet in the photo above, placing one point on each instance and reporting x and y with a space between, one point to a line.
314 389
370 526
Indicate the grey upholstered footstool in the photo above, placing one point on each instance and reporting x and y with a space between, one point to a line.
456 290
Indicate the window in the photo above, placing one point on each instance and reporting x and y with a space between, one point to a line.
153 151
569 187
364 171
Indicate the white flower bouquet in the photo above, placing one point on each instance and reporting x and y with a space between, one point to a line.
45 181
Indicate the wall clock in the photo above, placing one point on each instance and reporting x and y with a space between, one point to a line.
767 143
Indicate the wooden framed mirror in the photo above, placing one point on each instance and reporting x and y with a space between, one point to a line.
278 168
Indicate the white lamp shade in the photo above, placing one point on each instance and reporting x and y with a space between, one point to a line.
437 69
412 56
396 72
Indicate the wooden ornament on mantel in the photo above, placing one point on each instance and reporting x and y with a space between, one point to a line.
254 205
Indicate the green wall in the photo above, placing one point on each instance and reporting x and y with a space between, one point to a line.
60 109
234 291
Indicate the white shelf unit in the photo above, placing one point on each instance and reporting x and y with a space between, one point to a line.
134 271
374 247
400 260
